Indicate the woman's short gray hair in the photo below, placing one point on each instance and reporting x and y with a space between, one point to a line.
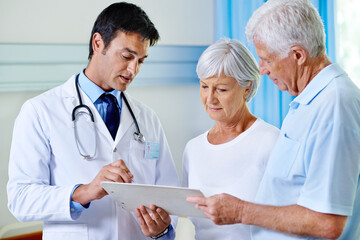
281 24
232 58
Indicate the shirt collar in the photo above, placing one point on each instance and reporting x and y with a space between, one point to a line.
92 90
317 84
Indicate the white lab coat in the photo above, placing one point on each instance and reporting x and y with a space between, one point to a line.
45 165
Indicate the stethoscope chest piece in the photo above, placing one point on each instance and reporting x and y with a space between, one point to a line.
83 109
138 136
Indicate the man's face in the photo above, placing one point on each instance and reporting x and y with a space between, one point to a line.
283 71
118 64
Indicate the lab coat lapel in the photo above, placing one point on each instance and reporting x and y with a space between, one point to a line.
71 101
126 120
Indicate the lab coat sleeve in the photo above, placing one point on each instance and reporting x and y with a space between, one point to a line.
30 194
166 173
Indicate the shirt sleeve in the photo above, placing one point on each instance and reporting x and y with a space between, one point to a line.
75 207
170 235
332 169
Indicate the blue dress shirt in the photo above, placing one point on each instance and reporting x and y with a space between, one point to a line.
94 92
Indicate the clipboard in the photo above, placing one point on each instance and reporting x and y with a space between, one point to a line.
172 199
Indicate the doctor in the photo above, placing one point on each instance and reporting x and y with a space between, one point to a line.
68 140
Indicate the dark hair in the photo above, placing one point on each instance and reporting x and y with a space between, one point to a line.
125 17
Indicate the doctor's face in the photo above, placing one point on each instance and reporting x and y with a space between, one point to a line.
223 98
118 64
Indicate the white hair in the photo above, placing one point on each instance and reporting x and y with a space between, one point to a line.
232 58
282 24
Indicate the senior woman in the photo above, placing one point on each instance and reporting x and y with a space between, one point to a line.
230 157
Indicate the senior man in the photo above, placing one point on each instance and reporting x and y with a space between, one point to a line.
311 188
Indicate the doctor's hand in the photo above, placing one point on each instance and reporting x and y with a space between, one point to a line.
114 172
155 222
221 208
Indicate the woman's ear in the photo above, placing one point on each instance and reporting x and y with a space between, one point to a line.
247 91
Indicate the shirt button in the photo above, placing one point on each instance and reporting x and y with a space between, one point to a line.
72 209
294 105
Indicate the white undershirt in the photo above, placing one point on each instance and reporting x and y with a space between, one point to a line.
235 167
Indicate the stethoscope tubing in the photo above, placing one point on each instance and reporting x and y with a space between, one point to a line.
137 135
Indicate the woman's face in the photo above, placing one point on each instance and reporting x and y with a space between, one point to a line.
223 98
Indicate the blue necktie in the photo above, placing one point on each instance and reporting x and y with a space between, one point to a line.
112 114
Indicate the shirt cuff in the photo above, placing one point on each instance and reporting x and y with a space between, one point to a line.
170 234
75 206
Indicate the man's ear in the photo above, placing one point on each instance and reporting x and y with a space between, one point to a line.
97 43
299 54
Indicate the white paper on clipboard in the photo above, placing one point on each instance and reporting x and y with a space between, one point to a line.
172 199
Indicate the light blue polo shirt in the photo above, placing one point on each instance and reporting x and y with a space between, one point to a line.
316 160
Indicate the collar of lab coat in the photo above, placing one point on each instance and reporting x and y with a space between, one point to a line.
71 100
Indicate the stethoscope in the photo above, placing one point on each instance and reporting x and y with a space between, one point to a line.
138 136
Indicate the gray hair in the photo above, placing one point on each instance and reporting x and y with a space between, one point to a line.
232 58
282 24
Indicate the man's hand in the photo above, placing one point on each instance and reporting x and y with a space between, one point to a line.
155 222
293 219
114 172
221 208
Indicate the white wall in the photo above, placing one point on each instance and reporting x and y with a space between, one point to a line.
180 22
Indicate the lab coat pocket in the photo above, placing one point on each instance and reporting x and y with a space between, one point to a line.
65 231
283 156
144 170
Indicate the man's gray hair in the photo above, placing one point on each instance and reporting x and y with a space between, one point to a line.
232 58
282 24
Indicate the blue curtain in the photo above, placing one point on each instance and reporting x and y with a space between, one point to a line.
231 17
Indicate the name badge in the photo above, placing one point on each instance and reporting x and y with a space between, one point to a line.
152 150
